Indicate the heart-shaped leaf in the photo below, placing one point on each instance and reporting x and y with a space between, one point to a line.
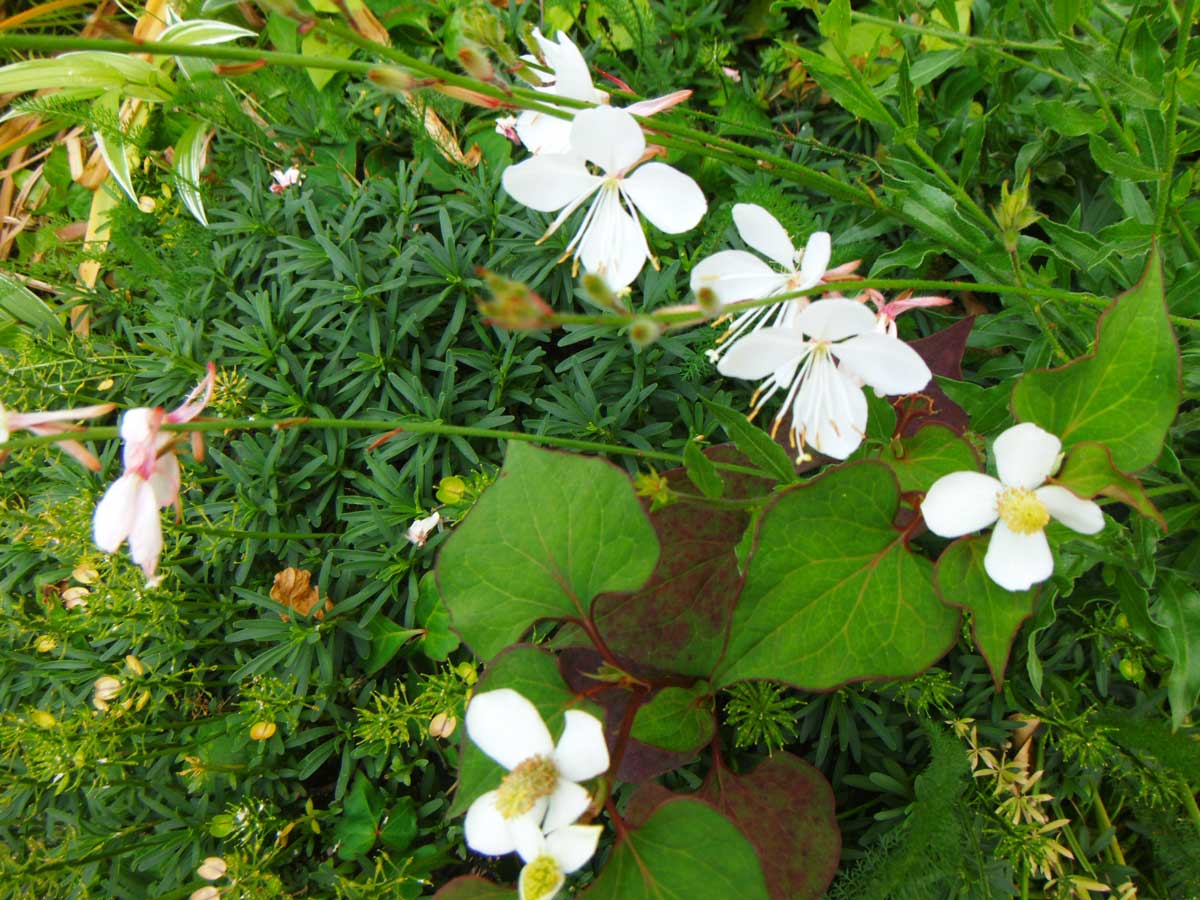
678 719
920 460
1089 471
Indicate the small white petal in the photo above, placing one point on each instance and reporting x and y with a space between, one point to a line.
835 319
817 252
145 534
549 182
960 503
762 231
573 846
114 513
1076 513
670 200
613 246
568 802
736 275
1025 455
485 830
138 425
528 837
610 138
888 365
1015 561
507 727
542 134
164 480
582 752
763 352
833 410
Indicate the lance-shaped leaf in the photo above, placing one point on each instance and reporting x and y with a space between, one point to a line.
19 303
1177 613
832 593
111 142
922 459
997 613
1124 395
1089 471
472 887
554 531
190 153
533 673
685 849
785 809
677 622
87 74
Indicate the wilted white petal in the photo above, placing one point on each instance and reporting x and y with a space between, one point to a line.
1076 513
763 353
613 246
568 802
610 138
736 275
549 182
582 752
1025 455
145 533
507 727
573 846
888 365
672 201
835 319
114 513
762 231
817 252
485 830
960 503
1015 561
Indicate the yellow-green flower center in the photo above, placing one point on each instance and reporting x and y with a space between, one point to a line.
541 879
525 785
1021 510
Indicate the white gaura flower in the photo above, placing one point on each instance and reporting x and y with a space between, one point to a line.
1020 504
734 275
420 530
825 398
284 179
610 241
541 792
550 858
50 423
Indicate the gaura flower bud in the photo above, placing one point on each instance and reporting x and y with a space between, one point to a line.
474 61
1014 214
75 596
643 332
512 304
598 291
142 700
442 725
212 868
208 892
107 687
42 719
45 644
85 574
262 731
397 81
709 302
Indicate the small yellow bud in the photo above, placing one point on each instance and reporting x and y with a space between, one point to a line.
442 725
76 596
86 574
208 892
45 644
212 868
451 489
142 700
467 672
262 731
105 385
394 80
107 687
135 665
42 719
146 204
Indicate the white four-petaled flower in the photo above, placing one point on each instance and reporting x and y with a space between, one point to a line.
824 397
550 858
610 241
541 793
1020 504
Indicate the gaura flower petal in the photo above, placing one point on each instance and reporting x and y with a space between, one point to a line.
145 533
200 397
670 200
888 365
736 275
813 266
507 727
762 231
763 353
582 752
113 519
1015 561
164 480
485 830
835 319
1025 455
1076 513
613 244
830 411
657 104
549 182
567 803
571 75
610 138
573 846
960 503
543 134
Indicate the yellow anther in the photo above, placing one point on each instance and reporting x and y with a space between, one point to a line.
1021 510
531 781
541 879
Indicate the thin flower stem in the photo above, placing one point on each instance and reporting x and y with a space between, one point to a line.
1107 825
1193 811
1036 309
1178 59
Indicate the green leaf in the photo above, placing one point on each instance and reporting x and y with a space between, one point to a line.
701 471
922 459
849 92
438 641
472 887
355 832
398 828
534 674
832 593
754 442
315 43
190 154
203 31
111 143
835 23
685 849
1088 470
24 306
554 531
386 640
1124 394
997 614
1177 613
1120 165
678 719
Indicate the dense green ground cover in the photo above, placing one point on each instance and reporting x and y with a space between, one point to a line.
298 747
